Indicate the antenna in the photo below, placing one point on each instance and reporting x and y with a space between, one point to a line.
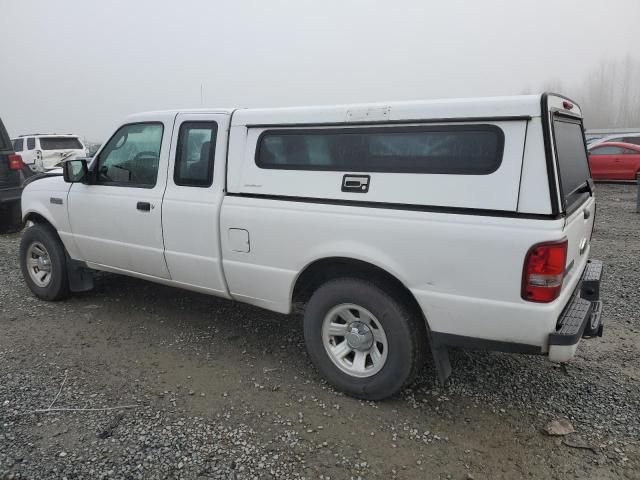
201 86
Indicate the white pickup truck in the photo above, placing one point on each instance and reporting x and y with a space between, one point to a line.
403 228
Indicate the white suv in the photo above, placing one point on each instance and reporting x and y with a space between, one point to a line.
404 228
44 152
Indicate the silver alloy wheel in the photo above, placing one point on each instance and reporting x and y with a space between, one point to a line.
39 264
354 340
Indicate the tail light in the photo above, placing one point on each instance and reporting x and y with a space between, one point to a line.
543 272
15 162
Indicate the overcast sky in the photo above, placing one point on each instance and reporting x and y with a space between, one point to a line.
80 66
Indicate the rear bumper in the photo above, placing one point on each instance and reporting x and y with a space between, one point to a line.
581 317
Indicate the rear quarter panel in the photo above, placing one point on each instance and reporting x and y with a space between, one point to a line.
465 271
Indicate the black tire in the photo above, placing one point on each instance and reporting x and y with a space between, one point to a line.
11 218
58 284
404 329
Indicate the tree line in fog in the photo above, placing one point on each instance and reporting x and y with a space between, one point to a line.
610 95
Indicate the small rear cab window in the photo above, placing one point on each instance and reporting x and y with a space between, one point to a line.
451 149
60 143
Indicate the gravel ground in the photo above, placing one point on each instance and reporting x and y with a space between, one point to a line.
223 390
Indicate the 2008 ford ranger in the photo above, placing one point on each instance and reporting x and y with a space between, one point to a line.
404 228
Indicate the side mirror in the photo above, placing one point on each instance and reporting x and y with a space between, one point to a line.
75 171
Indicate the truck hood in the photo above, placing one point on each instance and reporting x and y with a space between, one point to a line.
48 181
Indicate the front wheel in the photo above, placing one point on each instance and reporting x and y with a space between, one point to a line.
363 340
43 263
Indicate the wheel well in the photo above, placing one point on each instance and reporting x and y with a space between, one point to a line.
37 218
326 269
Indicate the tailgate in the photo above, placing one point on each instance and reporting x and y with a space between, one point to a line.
578 229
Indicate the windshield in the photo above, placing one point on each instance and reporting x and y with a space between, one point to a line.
572 158
60 143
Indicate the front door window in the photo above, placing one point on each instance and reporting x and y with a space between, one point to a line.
131 156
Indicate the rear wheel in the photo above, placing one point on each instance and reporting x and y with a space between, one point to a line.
363 340
43 263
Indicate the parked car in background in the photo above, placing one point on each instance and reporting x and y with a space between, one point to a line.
406 228
620 138
614 161
12 175
43 152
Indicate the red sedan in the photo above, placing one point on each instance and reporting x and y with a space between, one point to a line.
614 161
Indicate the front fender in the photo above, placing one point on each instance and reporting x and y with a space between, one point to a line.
45 198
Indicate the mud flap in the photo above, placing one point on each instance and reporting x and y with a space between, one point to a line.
440 355
80 278
442 363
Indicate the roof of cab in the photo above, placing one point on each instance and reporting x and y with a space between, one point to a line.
141 116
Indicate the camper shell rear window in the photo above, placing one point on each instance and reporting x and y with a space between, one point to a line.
436 149
573 164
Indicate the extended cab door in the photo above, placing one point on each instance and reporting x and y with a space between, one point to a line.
191 205
116 220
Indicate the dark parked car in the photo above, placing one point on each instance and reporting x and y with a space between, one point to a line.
13 173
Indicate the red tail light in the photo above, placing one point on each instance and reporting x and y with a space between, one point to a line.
544 271
15 162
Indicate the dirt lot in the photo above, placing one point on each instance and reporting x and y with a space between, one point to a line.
224 390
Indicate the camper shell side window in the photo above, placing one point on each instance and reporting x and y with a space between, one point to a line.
444 149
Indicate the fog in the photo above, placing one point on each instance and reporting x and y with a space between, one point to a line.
80 66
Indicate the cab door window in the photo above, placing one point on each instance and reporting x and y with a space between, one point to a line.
195 154
131 157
